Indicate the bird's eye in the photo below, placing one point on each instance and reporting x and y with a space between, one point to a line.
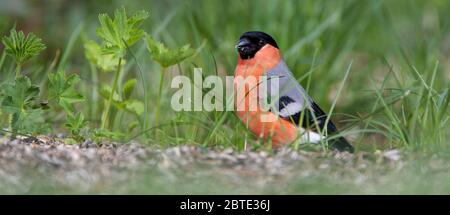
261 42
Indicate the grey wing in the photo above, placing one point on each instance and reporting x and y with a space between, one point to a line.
290 100
292 103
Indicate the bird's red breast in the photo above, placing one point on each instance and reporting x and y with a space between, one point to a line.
278 130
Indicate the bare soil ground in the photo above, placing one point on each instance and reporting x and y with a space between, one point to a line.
50 166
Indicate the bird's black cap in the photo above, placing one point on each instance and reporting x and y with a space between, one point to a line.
251 42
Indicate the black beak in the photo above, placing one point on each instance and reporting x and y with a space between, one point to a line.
244 42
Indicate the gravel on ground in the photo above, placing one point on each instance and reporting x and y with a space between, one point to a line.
92 167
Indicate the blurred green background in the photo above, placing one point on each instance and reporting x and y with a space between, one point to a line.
396 95
389 43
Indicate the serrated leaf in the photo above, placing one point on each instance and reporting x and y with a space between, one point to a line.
62 90
134 106
167 57
18 96
30 121
22 48
75 122
128 88
18 100
106 62
105 91
121 32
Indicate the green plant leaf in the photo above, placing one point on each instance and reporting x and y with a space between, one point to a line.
30 121
167 57
128 88
134 106
120 33
106 62
132 125
22 48
62 89
104 133
75 122
70 141
18 96
131 106
19 99
105 91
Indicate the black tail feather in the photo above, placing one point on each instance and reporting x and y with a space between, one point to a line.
341 144
309 118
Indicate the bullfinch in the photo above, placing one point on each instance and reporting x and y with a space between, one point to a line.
292 115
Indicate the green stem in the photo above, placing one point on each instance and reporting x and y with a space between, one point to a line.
111 94
2 59
158 101
18 70
94 94
13 117
10 121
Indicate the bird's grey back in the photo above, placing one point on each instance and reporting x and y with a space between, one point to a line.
282 78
